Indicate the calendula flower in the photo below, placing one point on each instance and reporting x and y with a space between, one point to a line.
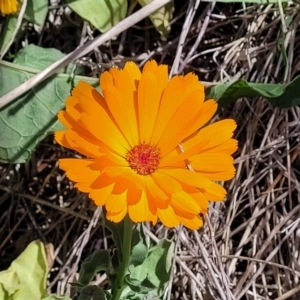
8 7
148 155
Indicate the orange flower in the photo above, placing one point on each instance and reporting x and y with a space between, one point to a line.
147 156
8 7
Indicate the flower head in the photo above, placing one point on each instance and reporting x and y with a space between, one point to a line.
8 7
149 155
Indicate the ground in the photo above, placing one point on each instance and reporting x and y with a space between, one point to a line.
249 246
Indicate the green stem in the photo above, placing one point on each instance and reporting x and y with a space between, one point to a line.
119 284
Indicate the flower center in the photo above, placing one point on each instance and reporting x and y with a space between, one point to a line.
143 158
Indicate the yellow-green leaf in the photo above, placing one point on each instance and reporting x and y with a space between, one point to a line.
102 14
26 277
161 18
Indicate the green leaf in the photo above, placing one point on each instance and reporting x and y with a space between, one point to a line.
39 58
36 11
154 272
128 294
9 283
26 277
139 246
161 18
102 14
22 125
92 292
141 287
290 97
282 95
96 262
54 297
117 230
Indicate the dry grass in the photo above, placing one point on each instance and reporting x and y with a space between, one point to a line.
249 247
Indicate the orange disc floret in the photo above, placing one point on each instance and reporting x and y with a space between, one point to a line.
143 158
148 152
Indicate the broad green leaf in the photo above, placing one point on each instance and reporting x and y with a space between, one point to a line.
154 272
39 58
128 294
102 14
161 18
54 297
96 262
92 292
9 283
29 119
139 246
36 11
26 277
282 95
142 287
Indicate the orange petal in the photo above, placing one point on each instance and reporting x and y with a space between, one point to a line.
220 176
192 84
133 194
216 133
84 187
185 203
161 74
155 191
228 147
79 170
70 123
152 211
96 117
211 162
171 161
168 217
215 192
126 88
105 130
173 157
148 104
106 79
60 138
66 120
133 71
150 66
171 99
103 181
188 177
139 212
194 223
100 195
208 109
121 186
182 122
166 182
115 171
88 98
198 196
124 118
73 107
116 217
73 103
116 203
84 146
116 159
